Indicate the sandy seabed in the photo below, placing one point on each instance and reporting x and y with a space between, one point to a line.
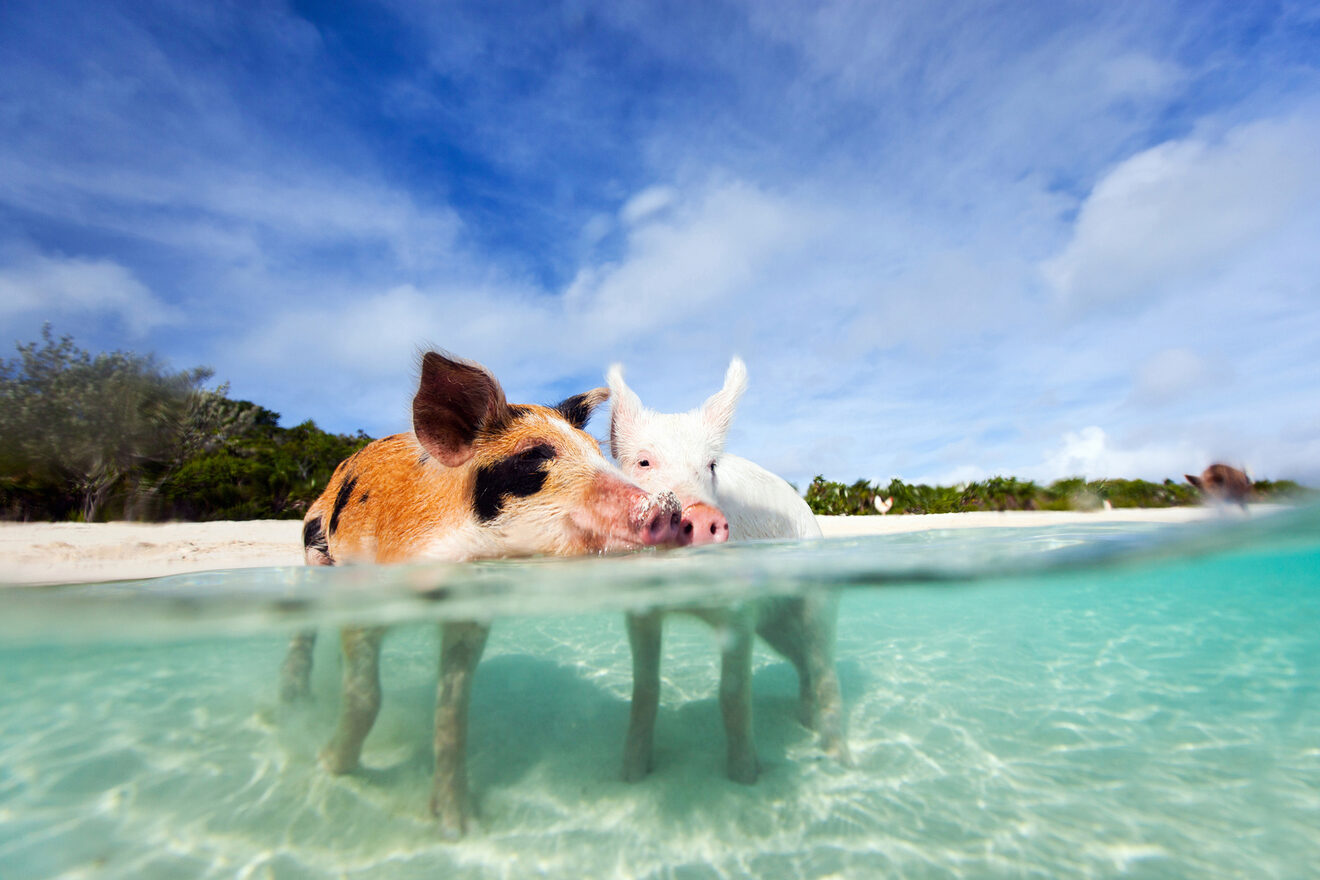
35 553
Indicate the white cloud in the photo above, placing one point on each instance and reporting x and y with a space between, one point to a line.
1172 373
238 213
1092 454
691 266
596 228
59 287
674 289
1179 211
956 476
647 203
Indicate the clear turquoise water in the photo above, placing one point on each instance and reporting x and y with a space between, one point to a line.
1083 702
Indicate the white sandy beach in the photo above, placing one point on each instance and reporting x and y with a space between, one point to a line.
848 526
34 553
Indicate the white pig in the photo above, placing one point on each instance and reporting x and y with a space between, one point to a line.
724 497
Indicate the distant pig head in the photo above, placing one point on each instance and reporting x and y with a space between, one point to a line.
539 483
678 451
1224 483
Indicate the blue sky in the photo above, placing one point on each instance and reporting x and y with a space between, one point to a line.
950 240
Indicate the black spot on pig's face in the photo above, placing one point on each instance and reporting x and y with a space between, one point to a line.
519 476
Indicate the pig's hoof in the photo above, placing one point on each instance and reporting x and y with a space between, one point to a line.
744 770
638 758
838 750
635 771
451 819
451 829
336 762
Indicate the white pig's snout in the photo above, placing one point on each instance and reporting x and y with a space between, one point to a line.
703 524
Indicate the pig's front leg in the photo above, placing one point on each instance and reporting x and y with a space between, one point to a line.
644 636
820 612
461 644
296 673
735 632
360 701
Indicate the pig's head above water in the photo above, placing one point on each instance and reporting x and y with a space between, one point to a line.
679 452
1224 484
539 483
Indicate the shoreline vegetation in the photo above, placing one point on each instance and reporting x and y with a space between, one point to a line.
119 437
828 498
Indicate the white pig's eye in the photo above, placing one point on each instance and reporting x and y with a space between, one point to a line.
643 463
712 468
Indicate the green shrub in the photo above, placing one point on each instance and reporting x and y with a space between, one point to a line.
1282 490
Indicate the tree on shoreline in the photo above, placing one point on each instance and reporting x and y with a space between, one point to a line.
80 433
86 422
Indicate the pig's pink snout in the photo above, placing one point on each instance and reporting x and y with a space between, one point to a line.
663 524
703 524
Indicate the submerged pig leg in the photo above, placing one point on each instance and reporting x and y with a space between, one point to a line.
460 650
819 613
360 701
735 632
644 633
296 673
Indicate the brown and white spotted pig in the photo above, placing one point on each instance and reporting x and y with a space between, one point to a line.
477 478
1225 484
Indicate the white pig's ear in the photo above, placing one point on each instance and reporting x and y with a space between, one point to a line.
625 407
719 407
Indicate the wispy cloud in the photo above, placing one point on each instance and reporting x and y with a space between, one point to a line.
39 288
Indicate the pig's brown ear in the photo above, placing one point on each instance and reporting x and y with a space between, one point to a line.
578 408
455 401
1195 481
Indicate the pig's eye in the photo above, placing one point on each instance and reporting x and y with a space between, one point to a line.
535 450
712 468
644 463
